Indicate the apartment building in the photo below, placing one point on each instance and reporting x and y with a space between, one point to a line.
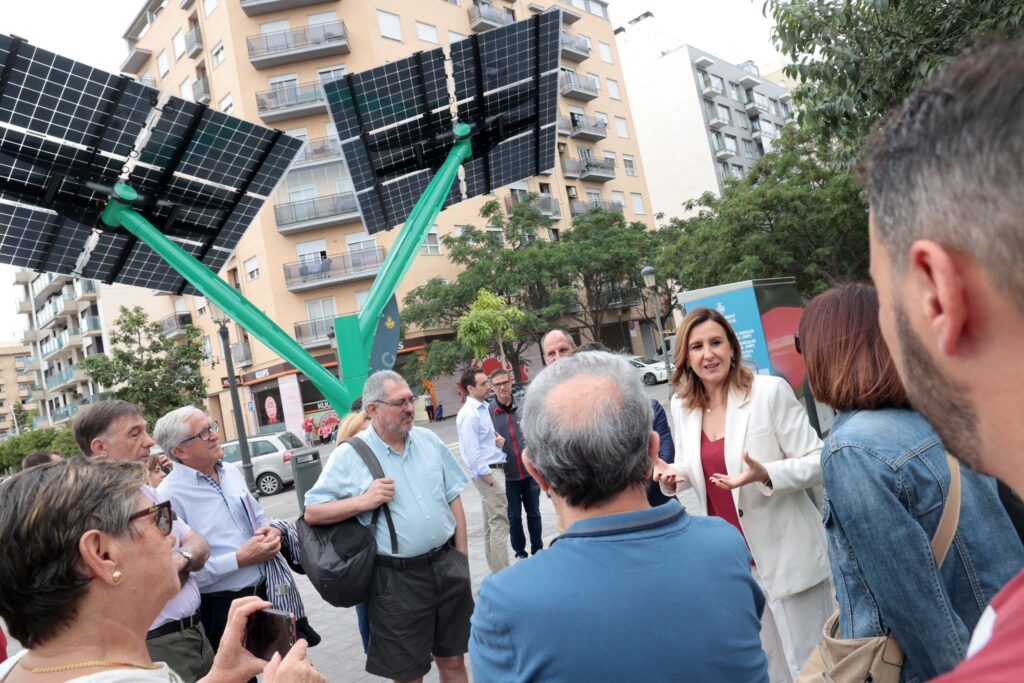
703 120
308 257
16 382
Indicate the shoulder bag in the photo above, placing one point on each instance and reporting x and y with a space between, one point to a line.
878 659
339 558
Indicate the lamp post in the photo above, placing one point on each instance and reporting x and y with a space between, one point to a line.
221 319
651 280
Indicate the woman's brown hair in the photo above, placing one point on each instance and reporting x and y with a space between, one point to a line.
848 364
689 386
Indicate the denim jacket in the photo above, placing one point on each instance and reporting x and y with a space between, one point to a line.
886 481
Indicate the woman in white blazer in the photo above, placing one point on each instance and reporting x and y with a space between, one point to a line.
745 447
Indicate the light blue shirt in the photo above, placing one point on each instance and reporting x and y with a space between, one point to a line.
476 438
227 518
427 480
186 602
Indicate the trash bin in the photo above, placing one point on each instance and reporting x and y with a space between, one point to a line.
306 468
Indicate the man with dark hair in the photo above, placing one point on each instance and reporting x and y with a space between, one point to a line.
116 430
482 452
943 174
556 344
521 490
39 458
586 614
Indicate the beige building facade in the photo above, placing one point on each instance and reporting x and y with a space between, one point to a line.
307 256
16 383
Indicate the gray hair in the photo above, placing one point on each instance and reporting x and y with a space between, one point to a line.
172 428
947 166
373 390
600 447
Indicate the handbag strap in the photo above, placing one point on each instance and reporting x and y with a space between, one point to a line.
944 533
372 464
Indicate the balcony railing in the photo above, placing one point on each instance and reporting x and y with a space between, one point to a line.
311 333
583 208
193 42
85 288
320 149
548 205
201 90
483 17
600 170
60 378
583 88
588 127
564 125
335 268
571 167
319 212
574 48
289 100
254 8
91 323
174 325
297 44
241 353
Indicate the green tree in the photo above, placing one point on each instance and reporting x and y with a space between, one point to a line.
149 369
792 215
23 416
14 450
489 323
857 59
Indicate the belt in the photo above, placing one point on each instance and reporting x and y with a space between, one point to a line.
258 590
497 465
418 561
175 626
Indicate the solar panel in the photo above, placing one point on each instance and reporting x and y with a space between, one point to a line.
68 132
395 121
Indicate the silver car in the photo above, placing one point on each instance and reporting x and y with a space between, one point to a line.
271 456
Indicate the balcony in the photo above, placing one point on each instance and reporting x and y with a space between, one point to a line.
174 326
321 212
588 128
709 90
91 326
570 167
290 101
334 269
241 354
597 170
298 44
574 48
318 151
703 62
483 17
136 59
47 284
765 140
185 4
254 8
85 289
65 413
25 306
583 208
50 312
313 333
29 335
26 378
38 393
715 122
201 90
757 106
749 80
193 42
32 363
724 154
582 88
545 203
65 379
564 126
618 297
68 338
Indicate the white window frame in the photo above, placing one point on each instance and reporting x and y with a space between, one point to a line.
619 197
185 89
338 71
432 244
393 32
606 52
629 164
637 200
427 33
613 89
209 6
220 50
226 104
163 63
622 127
178 43
251 266
361 298
455 36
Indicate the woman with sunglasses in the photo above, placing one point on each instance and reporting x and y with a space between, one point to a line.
886 484
86 567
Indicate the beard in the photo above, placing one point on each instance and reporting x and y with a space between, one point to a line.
943 402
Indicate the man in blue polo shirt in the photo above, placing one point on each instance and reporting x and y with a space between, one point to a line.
628 592
421 597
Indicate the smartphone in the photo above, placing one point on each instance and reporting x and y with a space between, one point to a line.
269 631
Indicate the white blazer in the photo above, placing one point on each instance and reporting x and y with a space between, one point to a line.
781 524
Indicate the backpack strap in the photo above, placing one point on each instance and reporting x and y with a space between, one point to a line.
944 533
372 464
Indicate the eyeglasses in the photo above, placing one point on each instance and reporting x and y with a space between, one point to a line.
501 384
204 433
796 343
399 404
164 516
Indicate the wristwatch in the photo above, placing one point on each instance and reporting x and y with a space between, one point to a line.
188 558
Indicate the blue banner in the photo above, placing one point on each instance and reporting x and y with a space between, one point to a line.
739 307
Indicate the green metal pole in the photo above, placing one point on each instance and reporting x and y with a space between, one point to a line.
120 214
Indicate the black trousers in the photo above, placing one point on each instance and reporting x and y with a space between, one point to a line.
213 610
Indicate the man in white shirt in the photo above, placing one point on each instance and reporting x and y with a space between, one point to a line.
482 453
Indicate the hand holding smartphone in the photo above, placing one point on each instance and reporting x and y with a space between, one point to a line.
269 631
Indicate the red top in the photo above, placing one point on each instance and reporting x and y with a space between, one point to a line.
999 658
712 461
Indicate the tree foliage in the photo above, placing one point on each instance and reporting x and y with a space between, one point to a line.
149 369
14 450
23 416
792 215
857 59
489 323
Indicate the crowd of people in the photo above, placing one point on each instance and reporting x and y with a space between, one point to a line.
892 529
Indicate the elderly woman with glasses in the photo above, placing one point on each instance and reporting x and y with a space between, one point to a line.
85 569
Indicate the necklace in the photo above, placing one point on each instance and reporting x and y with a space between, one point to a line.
84 665
715 407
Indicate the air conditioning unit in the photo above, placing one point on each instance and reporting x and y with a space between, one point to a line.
561 148
571 191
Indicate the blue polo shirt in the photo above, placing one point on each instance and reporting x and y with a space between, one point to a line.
427 479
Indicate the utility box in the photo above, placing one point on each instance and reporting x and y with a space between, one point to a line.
306 468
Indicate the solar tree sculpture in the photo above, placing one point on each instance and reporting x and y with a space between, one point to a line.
102 177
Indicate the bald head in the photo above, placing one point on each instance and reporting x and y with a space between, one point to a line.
557 344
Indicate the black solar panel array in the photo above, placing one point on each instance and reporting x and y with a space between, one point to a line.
68 130
395 121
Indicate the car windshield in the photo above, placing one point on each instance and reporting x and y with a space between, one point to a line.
231 453
290 440
646 360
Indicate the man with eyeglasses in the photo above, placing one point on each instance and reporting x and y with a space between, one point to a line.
421 596
116 430
215 500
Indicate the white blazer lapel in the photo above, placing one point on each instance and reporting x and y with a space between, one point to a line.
736 417
691 446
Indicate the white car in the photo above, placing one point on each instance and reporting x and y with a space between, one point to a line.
651 371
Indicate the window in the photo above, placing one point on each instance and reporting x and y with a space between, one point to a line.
621 127
736 171
207 348
361 298
553 235
209 6
774 106
735 91
218 55
730 144
723 170
497 233
390 25
454 37
252 269
596 80
619 198
724 113
321 308
742 120
595 195
427 32
613 89
716 141
162 63
606 52
311 252
629 164
178 42
711 109
226 104
322 18
601 116
200 302
432 246
330 73
610 157
185 89
749 149
638 203
717 83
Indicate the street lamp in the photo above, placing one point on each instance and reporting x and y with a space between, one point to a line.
221 319
651 280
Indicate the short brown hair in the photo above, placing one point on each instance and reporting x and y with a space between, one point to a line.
468 378
688 385
39 458
94 420
848 364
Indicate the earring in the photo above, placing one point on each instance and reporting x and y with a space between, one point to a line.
116 576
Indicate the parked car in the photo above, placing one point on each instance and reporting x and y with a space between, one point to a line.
651 371
271 456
